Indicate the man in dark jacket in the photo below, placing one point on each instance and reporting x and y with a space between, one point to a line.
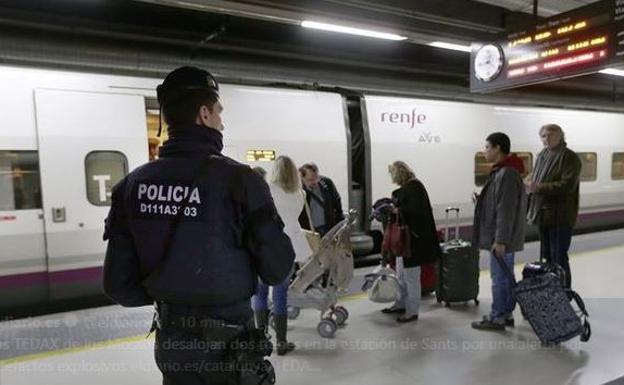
190 232
554 199
323 200
499 227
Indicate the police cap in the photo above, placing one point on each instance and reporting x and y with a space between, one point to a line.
183 79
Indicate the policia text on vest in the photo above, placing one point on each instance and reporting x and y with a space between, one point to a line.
162 199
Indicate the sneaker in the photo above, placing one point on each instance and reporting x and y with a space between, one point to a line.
487 324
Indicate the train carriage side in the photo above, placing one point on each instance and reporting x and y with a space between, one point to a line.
73 135
442 140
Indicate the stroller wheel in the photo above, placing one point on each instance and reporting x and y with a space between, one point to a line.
293 312
326 328
340 315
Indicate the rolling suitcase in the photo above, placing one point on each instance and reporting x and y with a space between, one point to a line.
545 303
458 268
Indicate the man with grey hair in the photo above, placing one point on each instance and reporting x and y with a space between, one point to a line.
554 199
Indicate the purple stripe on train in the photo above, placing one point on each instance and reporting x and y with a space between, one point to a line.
42 278
20 280
94 274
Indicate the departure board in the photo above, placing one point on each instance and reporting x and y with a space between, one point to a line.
578 42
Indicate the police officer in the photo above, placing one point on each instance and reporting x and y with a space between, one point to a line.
190 232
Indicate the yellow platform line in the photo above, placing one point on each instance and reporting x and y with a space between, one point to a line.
51 353
583 254
137 338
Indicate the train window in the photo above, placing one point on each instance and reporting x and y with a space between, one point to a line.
527 160
483 167
103 170
20 185
589 166
152 114
617 166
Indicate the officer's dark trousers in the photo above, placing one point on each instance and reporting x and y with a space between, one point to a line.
555 243
187 359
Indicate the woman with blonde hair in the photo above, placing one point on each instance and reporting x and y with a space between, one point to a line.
414 210
289 199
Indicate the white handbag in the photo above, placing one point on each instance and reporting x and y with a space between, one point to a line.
382 285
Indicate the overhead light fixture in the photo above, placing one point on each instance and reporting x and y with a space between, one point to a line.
612 71
351 30
454 47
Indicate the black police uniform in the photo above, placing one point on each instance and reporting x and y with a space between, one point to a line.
228 233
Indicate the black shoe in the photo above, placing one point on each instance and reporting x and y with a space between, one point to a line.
284 347
393 310
509 322
488 324
410 318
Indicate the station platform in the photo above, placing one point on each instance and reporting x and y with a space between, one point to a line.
109 346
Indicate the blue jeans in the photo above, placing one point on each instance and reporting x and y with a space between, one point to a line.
259 302
555 243
503 298
409 278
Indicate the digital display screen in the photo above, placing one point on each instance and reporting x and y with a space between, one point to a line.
260 155
579 42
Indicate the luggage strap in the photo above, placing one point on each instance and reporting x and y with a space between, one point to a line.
586 333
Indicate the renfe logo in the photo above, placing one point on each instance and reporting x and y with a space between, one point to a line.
411 119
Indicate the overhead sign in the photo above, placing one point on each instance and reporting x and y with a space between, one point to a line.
579 42
260 155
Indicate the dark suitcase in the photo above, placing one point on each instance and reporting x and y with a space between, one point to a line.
545 303
458 268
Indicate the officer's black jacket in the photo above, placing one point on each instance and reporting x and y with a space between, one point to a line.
228 234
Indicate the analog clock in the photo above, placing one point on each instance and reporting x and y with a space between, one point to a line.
488 62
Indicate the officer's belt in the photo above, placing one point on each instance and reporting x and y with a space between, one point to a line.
196 323
201 323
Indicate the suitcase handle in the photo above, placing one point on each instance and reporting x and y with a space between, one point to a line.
506 269
446 230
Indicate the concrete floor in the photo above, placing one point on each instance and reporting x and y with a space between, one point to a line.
372 348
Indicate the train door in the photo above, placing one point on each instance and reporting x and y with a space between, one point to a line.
359 193
87 143
22 253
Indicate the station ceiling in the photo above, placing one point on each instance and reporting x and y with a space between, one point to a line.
262 41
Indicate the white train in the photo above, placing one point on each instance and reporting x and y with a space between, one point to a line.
67 137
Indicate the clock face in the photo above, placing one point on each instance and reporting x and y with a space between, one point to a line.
488 62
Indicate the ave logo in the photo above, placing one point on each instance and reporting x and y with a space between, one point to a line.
428 137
